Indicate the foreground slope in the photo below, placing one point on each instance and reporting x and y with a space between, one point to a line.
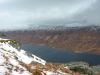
15 61
11 59
20 62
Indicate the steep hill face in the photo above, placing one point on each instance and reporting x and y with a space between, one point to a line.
15 61
78 39
12 60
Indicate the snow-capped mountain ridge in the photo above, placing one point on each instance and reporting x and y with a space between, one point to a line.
21 54
10 57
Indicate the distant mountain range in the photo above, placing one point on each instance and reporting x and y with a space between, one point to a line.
78 39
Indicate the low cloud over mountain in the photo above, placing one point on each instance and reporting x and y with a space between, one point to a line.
18 14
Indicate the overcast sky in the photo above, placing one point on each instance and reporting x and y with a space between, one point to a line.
23 13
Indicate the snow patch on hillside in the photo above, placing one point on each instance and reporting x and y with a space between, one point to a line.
10 59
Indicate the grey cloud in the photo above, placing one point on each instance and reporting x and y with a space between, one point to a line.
19 13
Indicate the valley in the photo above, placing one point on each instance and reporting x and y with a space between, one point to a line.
78 39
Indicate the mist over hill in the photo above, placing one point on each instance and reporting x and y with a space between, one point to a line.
78 39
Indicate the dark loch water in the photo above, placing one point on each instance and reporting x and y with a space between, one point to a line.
59 55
